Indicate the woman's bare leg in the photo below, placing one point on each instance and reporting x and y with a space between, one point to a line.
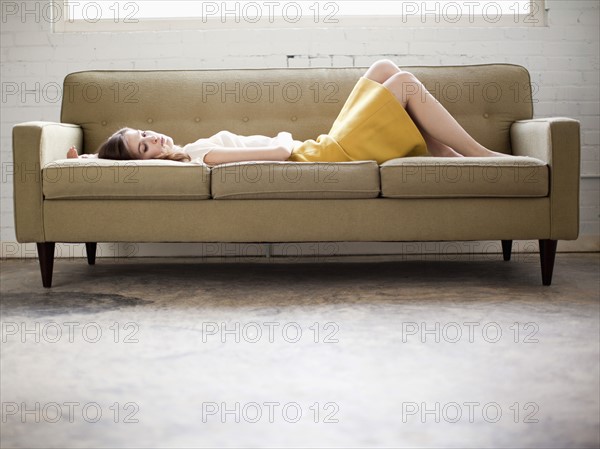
437 148
380 71
442 133
430 116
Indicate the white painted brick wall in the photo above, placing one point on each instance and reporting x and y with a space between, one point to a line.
563 60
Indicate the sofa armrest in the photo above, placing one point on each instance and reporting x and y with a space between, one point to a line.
34 145
556 141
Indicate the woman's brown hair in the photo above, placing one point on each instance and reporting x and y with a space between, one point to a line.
115 147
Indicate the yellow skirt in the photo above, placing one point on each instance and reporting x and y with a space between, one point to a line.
372 125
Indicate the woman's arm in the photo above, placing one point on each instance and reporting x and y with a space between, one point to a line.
283 138
223 155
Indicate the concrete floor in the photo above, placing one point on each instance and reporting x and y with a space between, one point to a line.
143 353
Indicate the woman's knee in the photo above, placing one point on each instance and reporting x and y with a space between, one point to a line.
406 81
382 70
387 63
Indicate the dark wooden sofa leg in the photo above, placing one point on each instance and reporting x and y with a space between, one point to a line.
506 249
547 253
46 258
90 250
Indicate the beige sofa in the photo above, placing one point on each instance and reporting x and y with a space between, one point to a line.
405 199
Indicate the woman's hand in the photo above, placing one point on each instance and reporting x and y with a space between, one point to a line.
73 154
289 149
285 139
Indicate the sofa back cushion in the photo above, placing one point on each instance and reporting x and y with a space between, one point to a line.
189 104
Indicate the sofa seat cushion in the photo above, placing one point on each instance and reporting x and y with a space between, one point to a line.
134 179
443 177
295 180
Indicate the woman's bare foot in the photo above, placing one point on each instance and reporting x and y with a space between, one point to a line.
483 152
447 152
490 153
440 150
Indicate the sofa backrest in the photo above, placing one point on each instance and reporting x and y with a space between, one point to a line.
189 104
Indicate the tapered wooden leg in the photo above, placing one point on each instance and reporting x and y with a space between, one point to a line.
547 253
506 249
90 250
46 258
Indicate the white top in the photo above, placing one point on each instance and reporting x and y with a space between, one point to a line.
198 149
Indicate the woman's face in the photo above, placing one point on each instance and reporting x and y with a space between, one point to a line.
147 144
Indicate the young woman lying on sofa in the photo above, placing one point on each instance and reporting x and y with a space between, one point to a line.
363 130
